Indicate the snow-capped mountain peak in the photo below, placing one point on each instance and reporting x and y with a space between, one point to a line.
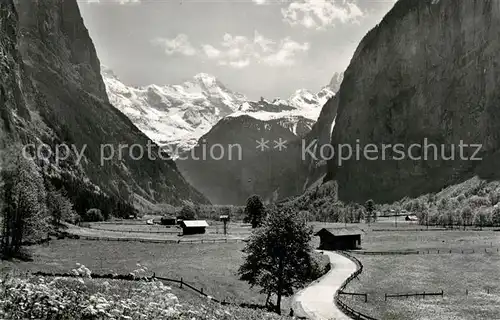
178 115
207 79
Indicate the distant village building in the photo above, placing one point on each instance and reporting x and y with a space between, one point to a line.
347 238
193 226
411 218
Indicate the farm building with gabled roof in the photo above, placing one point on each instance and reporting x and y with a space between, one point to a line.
343 238
193 226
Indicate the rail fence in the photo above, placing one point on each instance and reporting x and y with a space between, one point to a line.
426 251
179 241
407 295
340 304
136 231
130 277
411 229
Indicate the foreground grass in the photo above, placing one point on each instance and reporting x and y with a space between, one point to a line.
212 267
453 273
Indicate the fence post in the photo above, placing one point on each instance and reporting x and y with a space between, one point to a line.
366 297
181 282
386 297
442 293
201 290
466 292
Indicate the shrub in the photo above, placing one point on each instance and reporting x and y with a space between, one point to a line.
187 213
482 217
93 215
495 216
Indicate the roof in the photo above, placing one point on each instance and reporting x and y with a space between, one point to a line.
195 223
339 232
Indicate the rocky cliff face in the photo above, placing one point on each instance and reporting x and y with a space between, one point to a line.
52 92
430 70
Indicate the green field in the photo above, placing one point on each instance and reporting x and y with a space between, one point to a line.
212 267
455 273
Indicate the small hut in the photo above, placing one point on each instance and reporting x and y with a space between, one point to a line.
193 226
347 238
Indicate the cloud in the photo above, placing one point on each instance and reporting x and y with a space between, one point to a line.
320 14
180 44
261 2
238 64
240 51
210 51
285 55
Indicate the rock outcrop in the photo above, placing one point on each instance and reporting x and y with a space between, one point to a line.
51 92
429 70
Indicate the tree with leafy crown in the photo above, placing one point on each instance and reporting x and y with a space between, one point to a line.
24 215
279 255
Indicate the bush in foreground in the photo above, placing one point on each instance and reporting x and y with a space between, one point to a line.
86 298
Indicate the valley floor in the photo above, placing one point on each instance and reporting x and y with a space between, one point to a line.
470 281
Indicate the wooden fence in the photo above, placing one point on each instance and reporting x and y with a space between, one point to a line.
407 295
427 251
355 294
340 304
178 231
179 241
130 277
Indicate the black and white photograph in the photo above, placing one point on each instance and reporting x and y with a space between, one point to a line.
249 159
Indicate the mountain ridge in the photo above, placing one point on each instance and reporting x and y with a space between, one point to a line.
178 115
56 96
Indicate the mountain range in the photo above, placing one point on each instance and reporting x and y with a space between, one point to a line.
52 93
179 115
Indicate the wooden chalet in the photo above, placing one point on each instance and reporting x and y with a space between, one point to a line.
347 238
193 226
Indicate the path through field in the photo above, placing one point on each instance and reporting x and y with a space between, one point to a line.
316 301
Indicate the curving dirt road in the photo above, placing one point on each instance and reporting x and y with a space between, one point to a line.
316 301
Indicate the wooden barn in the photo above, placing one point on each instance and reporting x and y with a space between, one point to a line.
347 238
193 226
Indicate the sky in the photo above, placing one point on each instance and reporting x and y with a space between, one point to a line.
261 48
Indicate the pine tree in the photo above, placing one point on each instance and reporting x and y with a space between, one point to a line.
370 209
255 211
279 255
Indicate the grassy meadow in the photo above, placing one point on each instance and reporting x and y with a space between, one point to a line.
456 274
